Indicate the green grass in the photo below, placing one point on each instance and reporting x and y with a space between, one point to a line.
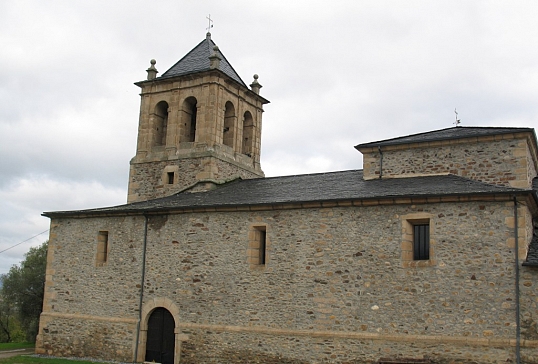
25 359
14 346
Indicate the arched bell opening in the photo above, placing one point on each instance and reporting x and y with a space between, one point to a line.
248 134
160 123
189 119
228 134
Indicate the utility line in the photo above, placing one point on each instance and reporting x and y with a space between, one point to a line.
35 236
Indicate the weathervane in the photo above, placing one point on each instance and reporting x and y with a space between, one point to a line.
458 121
210 25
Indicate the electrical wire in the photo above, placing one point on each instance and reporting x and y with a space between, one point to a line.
35 236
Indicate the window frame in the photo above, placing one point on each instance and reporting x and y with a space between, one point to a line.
102 249
409 256
166 173
258 246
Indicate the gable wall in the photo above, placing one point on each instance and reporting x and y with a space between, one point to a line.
334 288
506 162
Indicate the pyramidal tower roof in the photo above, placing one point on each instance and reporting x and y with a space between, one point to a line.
197 60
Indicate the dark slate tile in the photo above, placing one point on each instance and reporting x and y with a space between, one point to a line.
320 187
197 60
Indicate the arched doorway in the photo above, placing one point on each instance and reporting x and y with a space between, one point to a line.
160 342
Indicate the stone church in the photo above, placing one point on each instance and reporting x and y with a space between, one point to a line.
428 253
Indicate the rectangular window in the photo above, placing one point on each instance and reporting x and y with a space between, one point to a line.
170 178
102 248
262 246
421 242
257 246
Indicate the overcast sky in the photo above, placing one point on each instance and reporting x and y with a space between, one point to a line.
337 74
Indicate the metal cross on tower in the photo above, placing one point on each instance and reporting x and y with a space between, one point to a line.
210 25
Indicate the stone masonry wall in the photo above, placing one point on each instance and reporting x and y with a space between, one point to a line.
146 179
501 162
234 347
80 336
79 285
91 310
333 289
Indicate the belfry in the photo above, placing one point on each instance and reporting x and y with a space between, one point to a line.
200 126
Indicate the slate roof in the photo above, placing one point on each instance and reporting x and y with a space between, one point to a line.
197 60
320 187
457 132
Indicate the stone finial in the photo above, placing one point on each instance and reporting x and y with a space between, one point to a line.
208 36
255 85
152 71
214 59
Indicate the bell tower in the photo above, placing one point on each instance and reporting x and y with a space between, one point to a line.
200 126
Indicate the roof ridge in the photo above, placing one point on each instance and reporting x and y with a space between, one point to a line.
182 58
416 137
229 64
307 174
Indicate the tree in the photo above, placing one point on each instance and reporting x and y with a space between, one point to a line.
10 327
23 289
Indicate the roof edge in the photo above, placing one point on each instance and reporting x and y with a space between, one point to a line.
509 130
346 202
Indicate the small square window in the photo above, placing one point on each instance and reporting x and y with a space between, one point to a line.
170 178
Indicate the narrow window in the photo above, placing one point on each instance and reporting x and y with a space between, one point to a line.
421 242
192 133
257 246
170 178
102 248
262 250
